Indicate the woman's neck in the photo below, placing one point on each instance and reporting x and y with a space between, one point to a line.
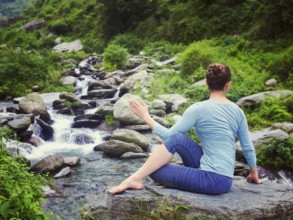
218 96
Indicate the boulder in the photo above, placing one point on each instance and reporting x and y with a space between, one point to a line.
64 172
105 110
140 128
131 136
33 25
102 93
99 85
20 124
131 155
161 121
69 80
86 123
271 83
158 104
199 83
34 104
115 148
36 141
48 164
176 99
47 131
71 161
158 112
123 112
261 138
286 126
69 97
68 47
253 100
245 201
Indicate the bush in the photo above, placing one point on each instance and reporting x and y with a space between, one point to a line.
195 56
115 56
278 155
60 28
132 43
20 191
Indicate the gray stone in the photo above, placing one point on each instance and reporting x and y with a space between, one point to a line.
245 201
33 25
48 164
102 93
99 85
199 83
64 172
36 141
263 137
34 104
105 110
20 124
169 61
176 99
131 136
115 148
47 131
68 47
256 99
158 104
69 80
158 112
137 80
58 40
271 82
71 161
286 126
161 121
69 97
141 128
131 155
123 112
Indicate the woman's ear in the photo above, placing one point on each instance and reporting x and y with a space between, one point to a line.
227 86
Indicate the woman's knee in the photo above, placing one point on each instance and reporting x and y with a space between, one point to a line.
173 140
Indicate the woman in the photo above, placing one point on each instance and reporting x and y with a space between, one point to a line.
208 167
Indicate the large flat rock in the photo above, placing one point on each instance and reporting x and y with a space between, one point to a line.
270 200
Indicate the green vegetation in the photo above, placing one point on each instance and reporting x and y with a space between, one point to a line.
115 57
110 120
277 155
20 191
12 8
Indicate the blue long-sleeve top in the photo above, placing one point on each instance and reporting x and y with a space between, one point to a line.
217 125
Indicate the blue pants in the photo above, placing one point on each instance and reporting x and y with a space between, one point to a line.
189 177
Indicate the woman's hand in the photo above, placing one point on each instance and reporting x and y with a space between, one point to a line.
253 176
141 110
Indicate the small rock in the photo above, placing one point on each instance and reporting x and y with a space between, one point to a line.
131 155
71 161
48 164
64 172
271 83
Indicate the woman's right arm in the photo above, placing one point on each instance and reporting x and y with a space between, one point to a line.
185 124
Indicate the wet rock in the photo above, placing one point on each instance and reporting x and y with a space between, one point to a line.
89 117
245 201
99 85
115 148
176 99
48 164
68 47
131 155
12 110
253 100
36 141
71 161
102 93
82 139
86 123
24 135
20 124
69 97
59 104
47 131
131 136
122 111
34 104
109 127
64 172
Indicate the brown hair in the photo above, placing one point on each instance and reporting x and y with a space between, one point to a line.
217 76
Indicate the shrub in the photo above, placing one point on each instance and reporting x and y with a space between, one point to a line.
20 191
115 56
60 28
277 155
195 56
132 43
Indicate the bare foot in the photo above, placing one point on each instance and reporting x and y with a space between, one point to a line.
129 183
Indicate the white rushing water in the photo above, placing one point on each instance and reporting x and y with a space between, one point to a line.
66 140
